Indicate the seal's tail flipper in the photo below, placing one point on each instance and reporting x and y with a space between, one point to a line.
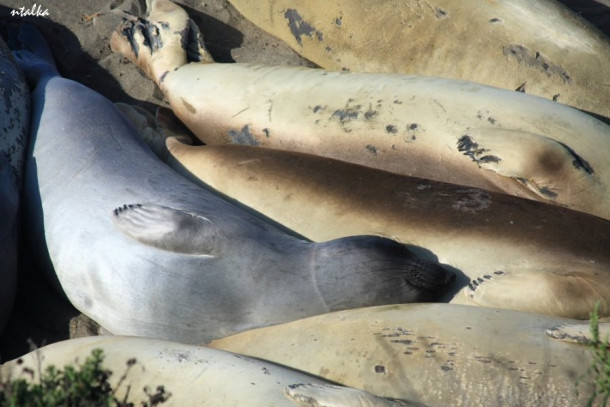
327 395
163 42
32 52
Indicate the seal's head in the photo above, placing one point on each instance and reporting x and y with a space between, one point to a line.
373 270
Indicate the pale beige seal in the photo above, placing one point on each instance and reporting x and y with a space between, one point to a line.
438 354
194 375
442 129
539 47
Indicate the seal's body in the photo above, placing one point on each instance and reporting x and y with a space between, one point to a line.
191 374
516 253
144 252
540 47
437 354
14 127
441 129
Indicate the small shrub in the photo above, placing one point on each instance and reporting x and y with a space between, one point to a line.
81 386
600 368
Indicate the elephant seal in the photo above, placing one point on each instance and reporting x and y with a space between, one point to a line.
437 354
441 129
516 253
541 47
144 252
14 128
193 374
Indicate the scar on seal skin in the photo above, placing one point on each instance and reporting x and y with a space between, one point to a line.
541 164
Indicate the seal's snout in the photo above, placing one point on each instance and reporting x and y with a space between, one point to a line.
430 275
377 271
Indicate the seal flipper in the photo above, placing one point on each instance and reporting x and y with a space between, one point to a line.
570 294
166 228
578 333
164 42
32 53
543 165
327 395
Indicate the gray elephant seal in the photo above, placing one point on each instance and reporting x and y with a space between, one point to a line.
14 126
144 252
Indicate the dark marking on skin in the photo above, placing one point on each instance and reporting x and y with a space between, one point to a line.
150 32
440 13
266 371
371 149
482 359
446 368
499 273
369 114
491 120
556 97
300 27
402 341
471 149
339 21
193 43
244 136
397 102
578 162
545 191
379 369
487 276
317 108
535 59
266 131
521 88
162 78
127 32
188 106
390 128
349 113
413 126
494 20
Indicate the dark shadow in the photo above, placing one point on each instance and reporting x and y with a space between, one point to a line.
596 11
72 61
219 37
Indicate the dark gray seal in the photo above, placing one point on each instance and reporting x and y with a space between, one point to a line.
14 126
145 252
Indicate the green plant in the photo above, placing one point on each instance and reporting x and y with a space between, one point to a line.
600 368
80 386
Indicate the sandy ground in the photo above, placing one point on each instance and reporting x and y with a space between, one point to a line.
78 32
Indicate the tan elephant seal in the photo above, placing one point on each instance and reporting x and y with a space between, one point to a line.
194 375
441 129
514 253
539 47
438 354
